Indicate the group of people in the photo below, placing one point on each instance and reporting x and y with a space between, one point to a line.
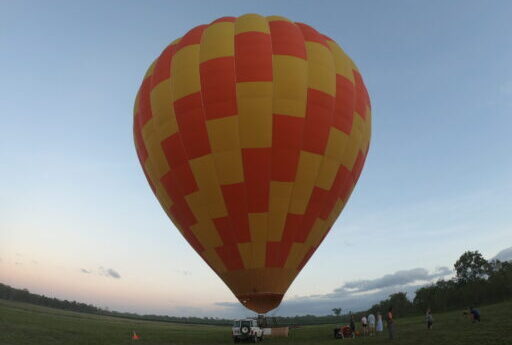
372 325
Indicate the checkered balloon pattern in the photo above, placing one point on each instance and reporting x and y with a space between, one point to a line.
252 133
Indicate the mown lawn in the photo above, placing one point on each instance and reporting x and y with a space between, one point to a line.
22 324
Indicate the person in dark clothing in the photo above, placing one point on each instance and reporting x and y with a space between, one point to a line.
390 323
475 314
352 324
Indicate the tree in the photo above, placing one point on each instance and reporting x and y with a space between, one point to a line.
471 266
336 311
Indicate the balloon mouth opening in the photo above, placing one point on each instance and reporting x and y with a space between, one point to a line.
261 303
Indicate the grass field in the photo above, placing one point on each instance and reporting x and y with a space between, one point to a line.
22 324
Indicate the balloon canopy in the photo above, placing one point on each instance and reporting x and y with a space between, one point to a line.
252 133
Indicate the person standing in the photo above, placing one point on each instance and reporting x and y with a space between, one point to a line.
475 314
390 323
380 326
429 319
371 324
364 323
352 325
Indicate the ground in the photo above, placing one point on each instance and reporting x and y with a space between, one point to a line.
22 324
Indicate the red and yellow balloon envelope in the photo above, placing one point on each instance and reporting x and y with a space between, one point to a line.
252 133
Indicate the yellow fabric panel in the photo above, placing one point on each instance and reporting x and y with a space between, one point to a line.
290 85
336 144
307 172
321 70
185 72
259 251
258 224
245 250
280 193
155 153
327 174
203 168
206 234
223 133
251 22
343 64
316 234
296 255
160 192
277 18
217 41
229 167
354 143
163 111
211 257
254 101
204 229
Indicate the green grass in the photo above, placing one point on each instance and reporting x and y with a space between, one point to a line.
22 324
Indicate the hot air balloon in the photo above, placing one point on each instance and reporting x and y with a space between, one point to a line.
252 133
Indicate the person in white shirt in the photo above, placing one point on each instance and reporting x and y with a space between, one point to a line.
371 323
380 326
364 323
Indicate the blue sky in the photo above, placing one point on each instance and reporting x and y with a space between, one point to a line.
74 200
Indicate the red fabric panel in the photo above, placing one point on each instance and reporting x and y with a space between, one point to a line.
192 240
345 101
218 87
172 186
319 117
224 19
182 213
286 143
142 152
284 164
343 177
306 258
315 205
358 167
312 35
230 256
145 102
183 174
253 56
191 37
235 198
162 69
191 121
287 39
257 178
174 150
362 97
225 230
278 252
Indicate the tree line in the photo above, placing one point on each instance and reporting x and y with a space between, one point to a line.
477 282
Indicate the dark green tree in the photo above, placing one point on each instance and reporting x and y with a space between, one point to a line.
471 266
336 311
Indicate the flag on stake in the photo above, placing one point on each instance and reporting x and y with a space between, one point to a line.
135 336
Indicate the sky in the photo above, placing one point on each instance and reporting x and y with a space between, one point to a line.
78 220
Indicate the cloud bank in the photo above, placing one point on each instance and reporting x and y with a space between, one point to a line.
351 296
504 255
